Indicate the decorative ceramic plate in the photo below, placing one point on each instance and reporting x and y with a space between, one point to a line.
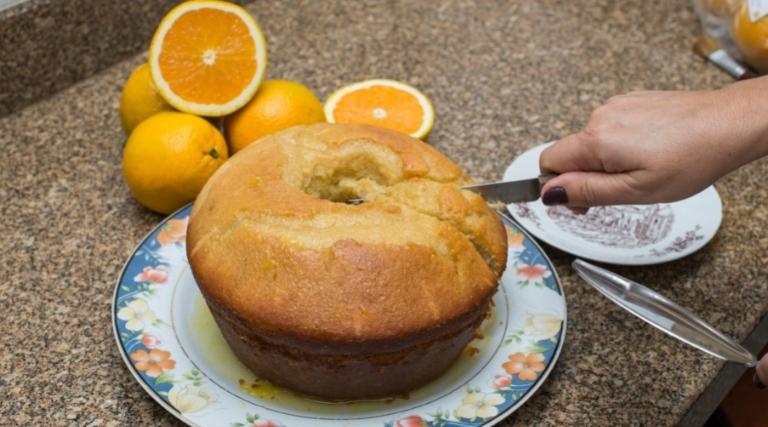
626 235
172 346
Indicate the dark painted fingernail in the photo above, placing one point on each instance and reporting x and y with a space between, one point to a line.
555 196
756 381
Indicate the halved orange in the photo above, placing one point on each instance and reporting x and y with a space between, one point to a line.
386 103
208 57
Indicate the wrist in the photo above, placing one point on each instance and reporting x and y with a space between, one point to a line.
745 120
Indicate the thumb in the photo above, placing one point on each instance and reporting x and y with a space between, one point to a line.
587 189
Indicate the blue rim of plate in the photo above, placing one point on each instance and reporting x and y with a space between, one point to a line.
516 404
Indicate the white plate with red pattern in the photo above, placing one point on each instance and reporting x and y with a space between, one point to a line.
170 343
625 235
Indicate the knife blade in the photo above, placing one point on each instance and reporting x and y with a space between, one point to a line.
526 190
663 314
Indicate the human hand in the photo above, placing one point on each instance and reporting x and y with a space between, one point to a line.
760 379
649 147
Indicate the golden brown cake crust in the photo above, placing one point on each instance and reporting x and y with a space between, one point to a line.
276 251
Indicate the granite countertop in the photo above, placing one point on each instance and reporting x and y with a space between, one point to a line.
503 77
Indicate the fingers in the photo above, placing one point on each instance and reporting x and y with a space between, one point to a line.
579 211
586 189
761 372
572 153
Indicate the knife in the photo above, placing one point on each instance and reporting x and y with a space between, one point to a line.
663 314
526 190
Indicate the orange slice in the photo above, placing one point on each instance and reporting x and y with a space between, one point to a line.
207 57
386 103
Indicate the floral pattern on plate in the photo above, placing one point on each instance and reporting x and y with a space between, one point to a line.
516 348
624 235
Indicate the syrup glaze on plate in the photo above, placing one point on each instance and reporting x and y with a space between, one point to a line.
170 343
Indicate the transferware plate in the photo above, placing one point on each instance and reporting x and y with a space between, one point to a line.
625 235
171 345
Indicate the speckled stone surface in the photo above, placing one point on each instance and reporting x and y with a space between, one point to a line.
47 45
503 77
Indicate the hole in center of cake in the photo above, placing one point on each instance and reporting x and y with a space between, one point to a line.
354 202
351 180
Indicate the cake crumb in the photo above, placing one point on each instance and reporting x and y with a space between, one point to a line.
471 351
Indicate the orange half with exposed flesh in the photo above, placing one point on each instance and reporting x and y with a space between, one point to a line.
208 57
386 103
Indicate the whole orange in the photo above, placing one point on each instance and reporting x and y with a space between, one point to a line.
140 99
169 157
279 104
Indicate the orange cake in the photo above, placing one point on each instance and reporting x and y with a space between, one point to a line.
343 300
